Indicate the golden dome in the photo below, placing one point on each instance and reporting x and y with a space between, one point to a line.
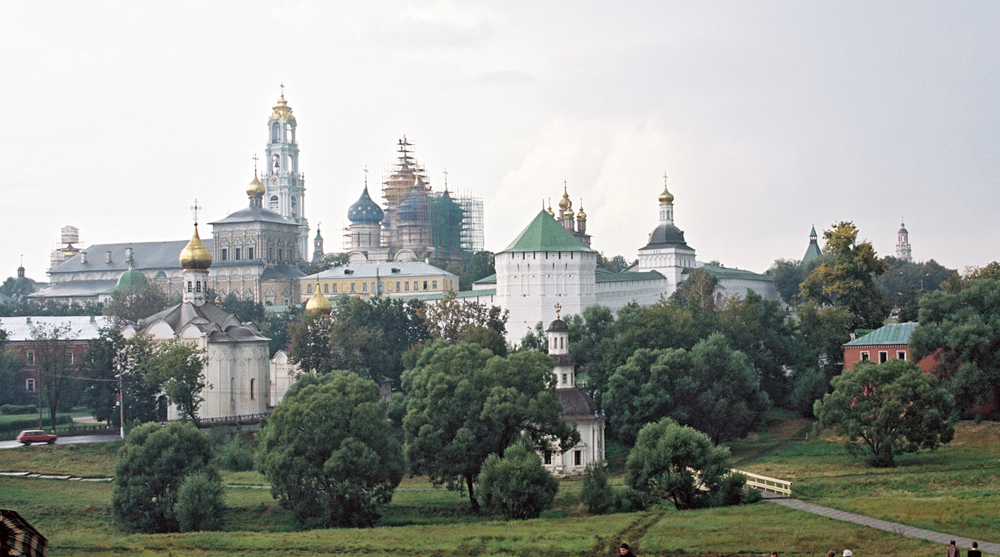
255 189
318 303
564 203
580 215
666 196
195 256
549 210
282 111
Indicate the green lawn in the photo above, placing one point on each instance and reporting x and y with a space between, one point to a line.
955 489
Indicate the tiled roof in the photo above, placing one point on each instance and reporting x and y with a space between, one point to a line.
545 234
75 289
893 333
627 276
576 404
438 295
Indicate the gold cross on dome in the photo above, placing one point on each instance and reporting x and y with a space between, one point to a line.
194 210
558 307
664 179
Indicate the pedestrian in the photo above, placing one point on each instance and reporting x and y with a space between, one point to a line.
831 553
953 550
625 550
848 553
974 552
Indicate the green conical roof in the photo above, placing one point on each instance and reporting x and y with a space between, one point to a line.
545 234
812 252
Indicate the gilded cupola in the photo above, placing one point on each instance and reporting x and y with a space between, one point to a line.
195 255
281 110
580 215
666 196
318 303
255 188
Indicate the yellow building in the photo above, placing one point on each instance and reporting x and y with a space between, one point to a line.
391 278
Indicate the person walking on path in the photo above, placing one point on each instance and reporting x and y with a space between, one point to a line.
625 550
953 550
974 552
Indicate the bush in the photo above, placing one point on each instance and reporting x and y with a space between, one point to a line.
234 455
199 502
516 486
14 426
600 498
18 409
150 468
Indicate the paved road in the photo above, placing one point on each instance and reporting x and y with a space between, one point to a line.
895 528
68 440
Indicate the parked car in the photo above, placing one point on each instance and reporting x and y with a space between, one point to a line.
30 436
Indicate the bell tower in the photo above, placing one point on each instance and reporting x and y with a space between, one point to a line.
285 185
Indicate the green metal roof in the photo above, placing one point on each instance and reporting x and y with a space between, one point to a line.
627 276
492 279
545 234
893 333
734 273
458 295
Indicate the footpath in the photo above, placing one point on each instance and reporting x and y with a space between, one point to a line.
894 527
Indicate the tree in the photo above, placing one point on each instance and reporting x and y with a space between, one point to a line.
516 486
311 348
712 388
129 305
904 282
886 410
149 470
679 463
113 362
764 332
824 330
697 290
788 277
451 319
479 266
847 278
57 375
615 264
17 288
962 331
328 454
177 366
463 404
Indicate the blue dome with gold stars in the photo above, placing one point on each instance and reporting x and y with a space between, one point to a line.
365 211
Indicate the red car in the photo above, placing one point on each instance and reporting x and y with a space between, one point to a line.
30 436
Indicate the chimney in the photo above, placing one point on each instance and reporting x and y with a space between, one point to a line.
107 256
83 258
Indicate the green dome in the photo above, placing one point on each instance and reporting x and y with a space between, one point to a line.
132 280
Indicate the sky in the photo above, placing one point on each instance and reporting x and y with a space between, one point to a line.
768 117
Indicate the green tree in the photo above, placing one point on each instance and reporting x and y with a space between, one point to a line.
200 506
328 454
58 376
177 367
886 410
129 305
452 320
712 388
824 330
766 334
479 266
149 470
847 278
17 288
516 486
463 404
904 282
615 264
679 463
962 330
311 348
788 277
112 362
697 290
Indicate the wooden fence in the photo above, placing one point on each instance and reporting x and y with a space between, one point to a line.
764 483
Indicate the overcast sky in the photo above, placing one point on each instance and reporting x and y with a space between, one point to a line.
769 117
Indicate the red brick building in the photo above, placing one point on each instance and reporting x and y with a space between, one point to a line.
885 343
80 331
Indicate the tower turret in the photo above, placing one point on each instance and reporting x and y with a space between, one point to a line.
285 185
903 251
195 259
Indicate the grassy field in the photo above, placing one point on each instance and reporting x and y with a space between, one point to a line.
955 489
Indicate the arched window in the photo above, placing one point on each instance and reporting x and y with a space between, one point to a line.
253 387
197 286
189 286
274 203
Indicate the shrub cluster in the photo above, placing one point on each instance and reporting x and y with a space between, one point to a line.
18 409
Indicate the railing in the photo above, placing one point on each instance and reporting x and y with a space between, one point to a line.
245 419
764 483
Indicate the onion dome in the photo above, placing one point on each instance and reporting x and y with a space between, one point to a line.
414 207
902 228
195 256
565 203
318 303
549 210
132 279
364 210
666 197
255 188
580 215
281 110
